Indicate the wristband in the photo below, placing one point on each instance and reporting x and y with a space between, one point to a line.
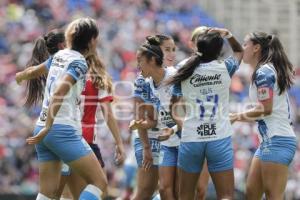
175 128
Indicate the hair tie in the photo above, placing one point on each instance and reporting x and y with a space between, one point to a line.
146 48
199 54
45 37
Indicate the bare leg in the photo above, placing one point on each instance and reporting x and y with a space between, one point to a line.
224 183
202 183
254 185
146 183
187 184
167 182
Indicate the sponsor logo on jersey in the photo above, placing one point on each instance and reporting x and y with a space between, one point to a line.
264 93
207 129
165 118
198 80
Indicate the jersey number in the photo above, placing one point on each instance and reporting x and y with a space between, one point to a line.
209 98
52 79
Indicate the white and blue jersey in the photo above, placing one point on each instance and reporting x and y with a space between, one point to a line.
143 91
278 140
264 87
164 94
64 140
206 95
206 132
65 62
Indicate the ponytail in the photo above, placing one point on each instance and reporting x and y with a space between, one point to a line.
35 87
209 47
272 52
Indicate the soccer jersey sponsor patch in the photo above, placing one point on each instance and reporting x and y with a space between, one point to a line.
264 93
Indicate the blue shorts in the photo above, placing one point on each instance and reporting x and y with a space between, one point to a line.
66 170
61 143
278 150
219 155
138 149
168 156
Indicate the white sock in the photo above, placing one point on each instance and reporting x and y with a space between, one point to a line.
40 196
90 192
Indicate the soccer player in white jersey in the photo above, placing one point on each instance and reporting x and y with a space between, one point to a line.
93 98
57 134
203 84
148 138
157 74
96 96
204 176
272 77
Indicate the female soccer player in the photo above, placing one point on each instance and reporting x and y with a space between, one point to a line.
203 82
56 135
272 77
37 67
204 175
96 95
143 94
169 148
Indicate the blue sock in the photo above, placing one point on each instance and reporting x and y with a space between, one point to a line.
90 192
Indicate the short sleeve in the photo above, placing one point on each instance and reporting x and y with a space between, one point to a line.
232 65
264 81
77 69
48 62
141 88
176 90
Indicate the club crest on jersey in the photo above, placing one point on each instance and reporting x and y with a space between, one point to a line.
207 129
198 80
263 93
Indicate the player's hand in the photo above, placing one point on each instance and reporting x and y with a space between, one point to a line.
166 134
120 154
232 117
147 158
135 124
38 137
223 31
18 78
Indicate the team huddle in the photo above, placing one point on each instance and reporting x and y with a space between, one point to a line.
182 127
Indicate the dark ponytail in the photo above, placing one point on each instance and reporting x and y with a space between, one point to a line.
35 87
273 52
151 48
53 39
209 48
43 48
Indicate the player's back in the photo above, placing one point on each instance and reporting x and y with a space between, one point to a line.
65 62
206 94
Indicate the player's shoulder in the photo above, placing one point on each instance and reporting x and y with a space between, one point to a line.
141 81
171 70
265 70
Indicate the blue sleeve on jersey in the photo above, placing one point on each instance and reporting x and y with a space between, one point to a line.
265 77
48 62
176 90
232 65
141 89
77 69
